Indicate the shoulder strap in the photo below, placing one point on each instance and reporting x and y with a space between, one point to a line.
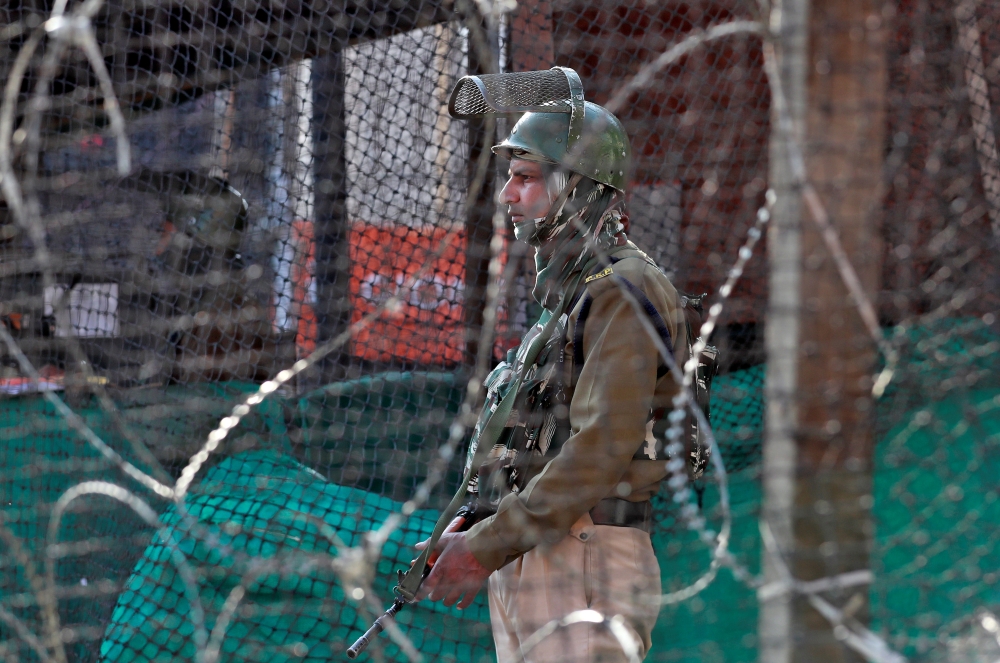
647 306
581 320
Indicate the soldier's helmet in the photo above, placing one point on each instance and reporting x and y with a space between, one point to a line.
557 126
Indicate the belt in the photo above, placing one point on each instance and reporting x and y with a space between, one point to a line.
622 513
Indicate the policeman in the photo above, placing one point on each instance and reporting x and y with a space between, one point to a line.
562 503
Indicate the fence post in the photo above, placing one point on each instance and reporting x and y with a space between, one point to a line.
819 447
845 152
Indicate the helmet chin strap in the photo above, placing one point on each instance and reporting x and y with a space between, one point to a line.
545 222
560 200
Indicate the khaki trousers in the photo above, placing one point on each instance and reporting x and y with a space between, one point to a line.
611 570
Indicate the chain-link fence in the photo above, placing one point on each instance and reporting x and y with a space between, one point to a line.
253 271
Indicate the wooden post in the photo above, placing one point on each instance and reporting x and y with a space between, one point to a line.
845 147
332 229
479 210
830 419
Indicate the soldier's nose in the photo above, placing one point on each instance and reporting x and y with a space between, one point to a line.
507 194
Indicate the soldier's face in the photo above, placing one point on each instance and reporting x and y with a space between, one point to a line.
525 194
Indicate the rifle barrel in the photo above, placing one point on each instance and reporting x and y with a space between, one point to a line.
362 643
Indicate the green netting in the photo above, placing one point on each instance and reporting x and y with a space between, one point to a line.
254 504
936 498
935 486
375 432
42 457
934 489
262 506
262 495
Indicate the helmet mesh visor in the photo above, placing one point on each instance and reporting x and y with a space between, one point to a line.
546 91
467 100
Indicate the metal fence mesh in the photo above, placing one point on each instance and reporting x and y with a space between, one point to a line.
244 256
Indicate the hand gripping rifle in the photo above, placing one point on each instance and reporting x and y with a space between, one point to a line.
406 589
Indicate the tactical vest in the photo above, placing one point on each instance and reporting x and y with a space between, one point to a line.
539 424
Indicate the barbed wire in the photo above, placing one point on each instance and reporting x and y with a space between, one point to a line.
353 563
678 480
77 30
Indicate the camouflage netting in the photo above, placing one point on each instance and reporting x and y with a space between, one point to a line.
297 191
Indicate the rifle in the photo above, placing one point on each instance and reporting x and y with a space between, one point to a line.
459 524
409 581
